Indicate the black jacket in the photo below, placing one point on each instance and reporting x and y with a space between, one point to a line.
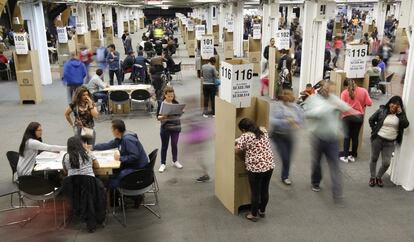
266 53
377 119
87 197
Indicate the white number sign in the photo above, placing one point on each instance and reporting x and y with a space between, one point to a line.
230 25
282 39
200 30
355 61
20 43
62 35
257 31
236 83
190 25
80 28
207 47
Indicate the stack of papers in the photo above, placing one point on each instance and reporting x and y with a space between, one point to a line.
104 156
48 165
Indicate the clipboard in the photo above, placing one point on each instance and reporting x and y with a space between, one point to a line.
167 109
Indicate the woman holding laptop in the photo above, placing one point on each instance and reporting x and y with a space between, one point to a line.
170 129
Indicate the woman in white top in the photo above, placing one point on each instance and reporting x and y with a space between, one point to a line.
30 147
387 124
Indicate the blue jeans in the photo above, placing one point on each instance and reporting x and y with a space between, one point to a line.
165 139
329 148
284 145
70 91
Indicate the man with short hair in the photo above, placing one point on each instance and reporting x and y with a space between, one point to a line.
96 87
209 74
131 152
127 43
74 73
112 59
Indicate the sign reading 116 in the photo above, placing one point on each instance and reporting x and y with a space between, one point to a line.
244 74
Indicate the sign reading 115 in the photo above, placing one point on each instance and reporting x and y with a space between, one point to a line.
357 52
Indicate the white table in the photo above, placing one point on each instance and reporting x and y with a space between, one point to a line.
49 161
128 88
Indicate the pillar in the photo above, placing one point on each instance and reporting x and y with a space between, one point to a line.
33 13
402 169
81 17
238 28
406 15
221 19
380 10
313 46
99 24
270 21
290 15
120 21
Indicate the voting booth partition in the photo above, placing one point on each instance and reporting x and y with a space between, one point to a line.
216 34
401 41
141 23
132 26
126 25
28 77
205 60
82 40
254 54
109 36
274 87
231 181
95 41
191 43
228 45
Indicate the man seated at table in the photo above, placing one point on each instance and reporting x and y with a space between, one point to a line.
140 60
96 87
131 152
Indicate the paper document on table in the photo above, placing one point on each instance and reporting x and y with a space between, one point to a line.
48 165
46 155
104 156
171 109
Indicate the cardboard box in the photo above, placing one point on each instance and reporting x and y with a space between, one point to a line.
29 87
231 181
255 45
246 45
254 57
121 108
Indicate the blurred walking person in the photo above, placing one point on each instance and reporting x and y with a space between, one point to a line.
387 125
285 118
322 111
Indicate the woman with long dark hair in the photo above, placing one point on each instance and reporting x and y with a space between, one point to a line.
170 129
79 160
30 147
387 124
254 141
357 98
84 110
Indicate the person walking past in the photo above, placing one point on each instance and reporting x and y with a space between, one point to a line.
358 99
285 118
387 125
74 73
255 143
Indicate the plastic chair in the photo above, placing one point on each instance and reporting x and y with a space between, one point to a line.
387 84
138 183
38 189
176 69
119 97
141 96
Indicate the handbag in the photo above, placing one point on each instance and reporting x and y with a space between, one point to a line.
86 132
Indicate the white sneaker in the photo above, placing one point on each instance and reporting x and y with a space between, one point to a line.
351 158
162 168
205 115
344 159
177 165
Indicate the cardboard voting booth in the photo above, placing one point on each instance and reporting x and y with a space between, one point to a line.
228 45
274 88
401 41
109 37
28 77
83 39
216 34
191 43
132 26
254 54
95 41
141 23
231 181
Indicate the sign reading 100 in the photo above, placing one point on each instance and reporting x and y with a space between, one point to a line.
244 74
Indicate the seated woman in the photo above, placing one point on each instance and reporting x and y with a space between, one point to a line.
30 147
79 160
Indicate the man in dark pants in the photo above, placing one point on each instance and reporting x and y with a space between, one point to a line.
209 74
112 59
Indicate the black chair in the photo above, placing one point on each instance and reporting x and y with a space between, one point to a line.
152 159
87 199
176 69
141 96
37 189
103 105
10 187
119 97
386 85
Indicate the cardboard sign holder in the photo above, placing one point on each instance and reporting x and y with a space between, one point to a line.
28 77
